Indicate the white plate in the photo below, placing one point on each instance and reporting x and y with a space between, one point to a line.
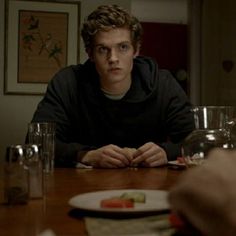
156 200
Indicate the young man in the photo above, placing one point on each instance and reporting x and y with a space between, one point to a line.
117 109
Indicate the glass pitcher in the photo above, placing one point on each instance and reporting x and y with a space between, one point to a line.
214 125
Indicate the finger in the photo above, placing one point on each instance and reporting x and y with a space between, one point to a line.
116 153
153 162
144 148
129 153
143 153
138 158
120 158
109 162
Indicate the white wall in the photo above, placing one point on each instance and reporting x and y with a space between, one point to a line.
16 111
168 11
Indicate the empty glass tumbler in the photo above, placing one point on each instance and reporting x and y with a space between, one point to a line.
43 134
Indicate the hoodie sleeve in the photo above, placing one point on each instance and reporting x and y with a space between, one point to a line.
56 106
179 120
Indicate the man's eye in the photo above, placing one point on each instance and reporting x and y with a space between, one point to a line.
102 50
124 47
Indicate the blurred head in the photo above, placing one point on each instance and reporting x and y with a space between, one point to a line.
107 17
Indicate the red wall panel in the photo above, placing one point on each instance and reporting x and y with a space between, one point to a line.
168 44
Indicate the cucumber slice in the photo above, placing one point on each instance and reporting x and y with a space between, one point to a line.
134 196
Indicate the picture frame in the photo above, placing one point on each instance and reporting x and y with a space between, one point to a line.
41 37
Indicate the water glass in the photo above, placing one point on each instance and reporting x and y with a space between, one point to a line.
43 134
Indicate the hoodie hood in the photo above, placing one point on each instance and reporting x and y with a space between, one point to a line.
144 79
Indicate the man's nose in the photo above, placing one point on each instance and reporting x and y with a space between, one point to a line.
113 55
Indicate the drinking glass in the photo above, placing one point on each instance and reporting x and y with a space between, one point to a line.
43 134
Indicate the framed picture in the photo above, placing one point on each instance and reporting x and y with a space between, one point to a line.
41 37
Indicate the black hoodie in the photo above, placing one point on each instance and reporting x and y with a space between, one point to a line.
155 109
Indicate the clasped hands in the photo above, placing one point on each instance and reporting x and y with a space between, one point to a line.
113 156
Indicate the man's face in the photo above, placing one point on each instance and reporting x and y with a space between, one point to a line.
113 55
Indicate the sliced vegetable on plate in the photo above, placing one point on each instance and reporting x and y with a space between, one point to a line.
116 202
134 196
125 200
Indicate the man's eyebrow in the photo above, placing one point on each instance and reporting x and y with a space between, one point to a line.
100 44
125 42
104 45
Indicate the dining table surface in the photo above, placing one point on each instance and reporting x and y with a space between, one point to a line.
53 211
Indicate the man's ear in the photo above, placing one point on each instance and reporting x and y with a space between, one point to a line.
136 53
89 53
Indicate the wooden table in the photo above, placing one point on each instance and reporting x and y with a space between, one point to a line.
54 212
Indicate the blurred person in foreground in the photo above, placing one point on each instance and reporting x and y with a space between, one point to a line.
205 196
117 109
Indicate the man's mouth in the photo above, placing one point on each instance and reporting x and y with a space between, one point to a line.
114 69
